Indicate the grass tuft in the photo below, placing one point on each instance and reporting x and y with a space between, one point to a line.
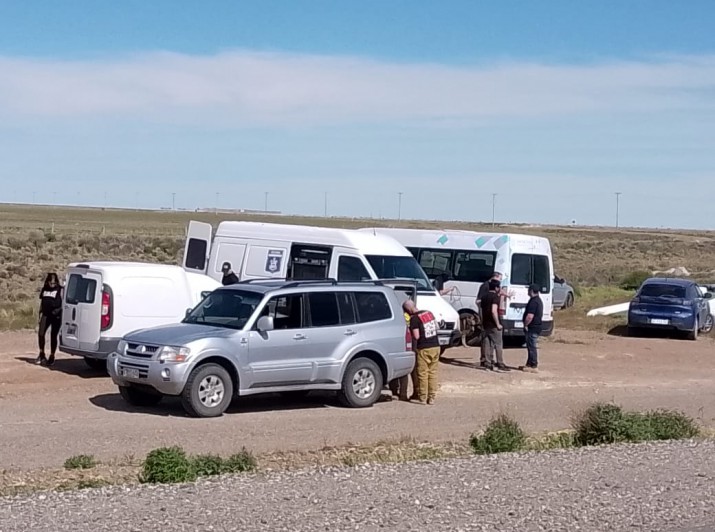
167 465
81 461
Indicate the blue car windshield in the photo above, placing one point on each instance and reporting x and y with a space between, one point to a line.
663 290
225 308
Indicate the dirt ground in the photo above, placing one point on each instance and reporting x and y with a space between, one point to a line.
48 415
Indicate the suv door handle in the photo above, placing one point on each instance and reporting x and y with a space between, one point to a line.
349 332
300 336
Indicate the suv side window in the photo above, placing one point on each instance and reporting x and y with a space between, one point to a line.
286 311
372 306
323 308
351 269
346 308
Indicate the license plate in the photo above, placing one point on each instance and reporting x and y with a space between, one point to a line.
660 322
71 330
443 340
518 325
130 373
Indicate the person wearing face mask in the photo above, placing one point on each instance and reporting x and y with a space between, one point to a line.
50 317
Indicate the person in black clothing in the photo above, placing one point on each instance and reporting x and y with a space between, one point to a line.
228 276
50 317
439 282
533 315
492 341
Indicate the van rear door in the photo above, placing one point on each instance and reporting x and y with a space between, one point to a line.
198 247
82 309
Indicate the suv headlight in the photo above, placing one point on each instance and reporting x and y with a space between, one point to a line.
122 347
174 354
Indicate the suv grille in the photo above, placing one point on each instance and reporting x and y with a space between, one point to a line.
141 350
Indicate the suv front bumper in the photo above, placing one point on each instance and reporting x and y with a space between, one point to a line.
165 378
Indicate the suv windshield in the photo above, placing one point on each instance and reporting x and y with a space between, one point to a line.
225 308
663 290
391 267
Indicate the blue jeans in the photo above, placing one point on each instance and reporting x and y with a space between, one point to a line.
532 339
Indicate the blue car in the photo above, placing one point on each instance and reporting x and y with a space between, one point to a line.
672 304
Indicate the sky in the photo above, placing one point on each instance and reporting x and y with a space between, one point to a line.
542 110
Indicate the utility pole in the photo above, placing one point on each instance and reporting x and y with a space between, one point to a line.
265 202
399 206
173 201
494 208
618 207
325 206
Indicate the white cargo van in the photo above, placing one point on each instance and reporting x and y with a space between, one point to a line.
468 258
264 250
103 301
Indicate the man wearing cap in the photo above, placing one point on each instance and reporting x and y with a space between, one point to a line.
533 315
228 276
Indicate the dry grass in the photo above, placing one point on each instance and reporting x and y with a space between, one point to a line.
35 240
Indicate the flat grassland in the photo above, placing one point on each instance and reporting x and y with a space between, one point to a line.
38 239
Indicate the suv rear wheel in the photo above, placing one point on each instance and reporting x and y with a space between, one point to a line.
362 384
137 397
208 391
693 335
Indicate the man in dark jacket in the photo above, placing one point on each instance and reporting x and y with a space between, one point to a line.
228 276
533 315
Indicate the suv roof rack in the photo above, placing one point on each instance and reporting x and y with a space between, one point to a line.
294 283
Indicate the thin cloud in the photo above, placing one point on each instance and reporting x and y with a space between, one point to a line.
244 88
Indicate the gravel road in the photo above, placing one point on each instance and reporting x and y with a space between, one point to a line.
649 487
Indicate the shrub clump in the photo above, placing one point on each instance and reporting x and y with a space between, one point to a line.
502 435
207 465
167 465
634 280
604 423
241 462
81 461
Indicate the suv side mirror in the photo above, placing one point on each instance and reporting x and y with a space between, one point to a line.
265 324
708 295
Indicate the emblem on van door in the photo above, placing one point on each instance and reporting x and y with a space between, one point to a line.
274 260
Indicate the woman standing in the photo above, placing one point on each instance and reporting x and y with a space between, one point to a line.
50 317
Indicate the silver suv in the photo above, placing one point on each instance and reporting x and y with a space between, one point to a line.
264 337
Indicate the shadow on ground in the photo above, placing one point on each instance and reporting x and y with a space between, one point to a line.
70 366
171 406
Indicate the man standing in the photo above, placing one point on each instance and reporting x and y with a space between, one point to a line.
423 327
492 337
533 315
228 276
483 291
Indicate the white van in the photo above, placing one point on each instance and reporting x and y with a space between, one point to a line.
103 301
263 250
468 258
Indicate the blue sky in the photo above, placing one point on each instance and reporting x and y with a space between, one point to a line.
554 106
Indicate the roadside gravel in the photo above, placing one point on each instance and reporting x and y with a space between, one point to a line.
648 487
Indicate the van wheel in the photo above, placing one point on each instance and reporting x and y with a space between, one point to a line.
208 391
137 397
96 364
362 384
470 326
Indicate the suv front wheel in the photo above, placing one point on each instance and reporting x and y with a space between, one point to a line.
208 391
362 384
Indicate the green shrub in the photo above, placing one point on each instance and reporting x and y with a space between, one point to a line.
502 435
81 461
634 280
167 465
240 462
607 423
207 465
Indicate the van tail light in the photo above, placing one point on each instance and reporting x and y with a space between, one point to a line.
502 306
408 339
106 309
